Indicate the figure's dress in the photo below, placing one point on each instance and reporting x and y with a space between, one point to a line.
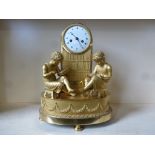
53 84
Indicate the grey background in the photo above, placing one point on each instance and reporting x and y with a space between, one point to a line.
129 46
25 45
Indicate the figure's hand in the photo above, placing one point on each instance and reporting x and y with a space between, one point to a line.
49 73
103 77
90 75
63 72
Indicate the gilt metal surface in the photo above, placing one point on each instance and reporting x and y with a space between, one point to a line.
74 94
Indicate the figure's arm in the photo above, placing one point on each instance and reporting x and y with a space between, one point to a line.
45 71
108 72
58 71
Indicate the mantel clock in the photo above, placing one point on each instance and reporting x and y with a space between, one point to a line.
74 94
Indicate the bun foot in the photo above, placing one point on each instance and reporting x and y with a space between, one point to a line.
79 128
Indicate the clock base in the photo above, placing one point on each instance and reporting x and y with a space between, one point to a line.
61 121
77 123
77 111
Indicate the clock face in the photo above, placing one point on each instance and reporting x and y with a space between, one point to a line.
77 39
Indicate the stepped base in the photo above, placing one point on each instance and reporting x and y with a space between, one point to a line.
60 121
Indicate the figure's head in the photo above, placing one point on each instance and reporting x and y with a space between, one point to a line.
56 57
99 57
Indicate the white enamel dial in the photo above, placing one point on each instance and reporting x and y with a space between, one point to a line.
77 39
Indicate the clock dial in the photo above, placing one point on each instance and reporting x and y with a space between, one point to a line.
77 39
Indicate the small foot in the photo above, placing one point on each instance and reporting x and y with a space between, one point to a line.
79 128
73 94
71 90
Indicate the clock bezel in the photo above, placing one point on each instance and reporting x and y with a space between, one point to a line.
63 41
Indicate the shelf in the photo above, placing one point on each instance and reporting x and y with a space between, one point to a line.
23 118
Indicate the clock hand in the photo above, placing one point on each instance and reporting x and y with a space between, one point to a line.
73 35
76 38
80 43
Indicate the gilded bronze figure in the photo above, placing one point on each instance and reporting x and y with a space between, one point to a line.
101 74
54 78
